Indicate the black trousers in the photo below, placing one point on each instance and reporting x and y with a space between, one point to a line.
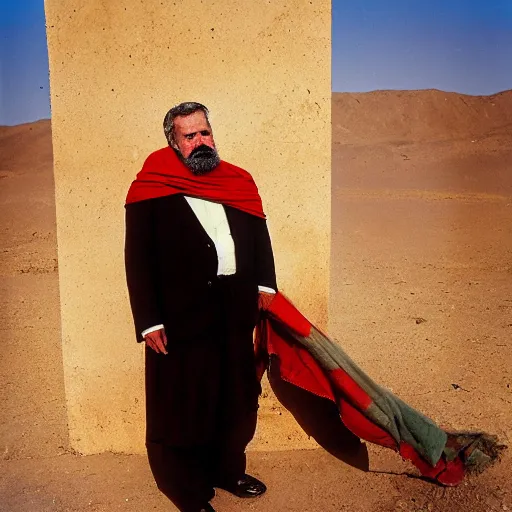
202 401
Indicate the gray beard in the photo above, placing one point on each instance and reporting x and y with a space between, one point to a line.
201 161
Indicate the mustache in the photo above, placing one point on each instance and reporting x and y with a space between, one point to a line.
202 151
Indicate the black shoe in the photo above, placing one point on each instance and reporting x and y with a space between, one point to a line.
207 508
247 487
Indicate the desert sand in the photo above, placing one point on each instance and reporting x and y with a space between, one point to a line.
421 297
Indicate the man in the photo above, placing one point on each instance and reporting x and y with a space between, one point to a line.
199 264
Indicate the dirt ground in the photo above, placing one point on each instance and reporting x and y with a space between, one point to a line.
421 297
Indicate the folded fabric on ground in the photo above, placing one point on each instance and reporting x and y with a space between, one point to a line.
310 360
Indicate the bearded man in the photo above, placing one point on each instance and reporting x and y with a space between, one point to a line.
199 265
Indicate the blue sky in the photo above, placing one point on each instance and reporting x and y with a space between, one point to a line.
24 87
453 45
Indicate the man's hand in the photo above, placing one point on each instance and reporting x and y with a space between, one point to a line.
157 340
264 299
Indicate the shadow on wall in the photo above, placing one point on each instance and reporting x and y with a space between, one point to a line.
320 419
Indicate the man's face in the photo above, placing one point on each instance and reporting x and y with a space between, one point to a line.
193 139
191 132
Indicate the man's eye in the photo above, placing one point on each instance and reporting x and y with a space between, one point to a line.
205 133
189 136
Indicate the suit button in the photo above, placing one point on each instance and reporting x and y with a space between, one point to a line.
208 245
209 283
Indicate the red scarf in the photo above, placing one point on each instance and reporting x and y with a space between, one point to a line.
164 174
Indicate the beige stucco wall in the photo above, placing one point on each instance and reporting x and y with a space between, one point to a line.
116 67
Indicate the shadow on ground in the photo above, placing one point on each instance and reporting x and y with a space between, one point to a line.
320 419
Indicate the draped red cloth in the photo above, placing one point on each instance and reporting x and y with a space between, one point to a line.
164 174
309 360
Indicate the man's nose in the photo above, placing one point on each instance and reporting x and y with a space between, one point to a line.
199 140
196 141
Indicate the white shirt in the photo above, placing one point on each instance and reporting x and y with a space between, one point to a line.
212 217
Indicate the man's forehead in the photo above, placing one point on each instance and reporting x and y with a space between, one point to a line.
192 121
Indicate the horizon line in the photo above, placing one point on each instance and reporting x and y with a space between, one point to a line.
505 91
428 89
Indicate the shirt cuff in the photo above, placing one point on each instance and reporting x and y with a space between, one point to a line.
152 329
266 289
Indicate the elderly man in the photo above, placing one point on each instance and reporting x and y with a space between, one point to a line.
199 265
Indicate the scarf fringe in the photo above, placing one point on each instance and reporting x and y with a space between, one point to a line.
477 450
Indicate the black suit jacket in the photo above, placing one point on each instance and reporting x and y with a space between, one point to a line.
171 265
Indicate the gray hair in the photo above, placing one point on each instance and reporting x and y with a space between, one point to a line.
183 109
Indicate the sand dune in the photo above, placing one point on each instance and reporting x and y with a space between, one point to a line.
422 228
26 148
33 420
399 117
424 140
